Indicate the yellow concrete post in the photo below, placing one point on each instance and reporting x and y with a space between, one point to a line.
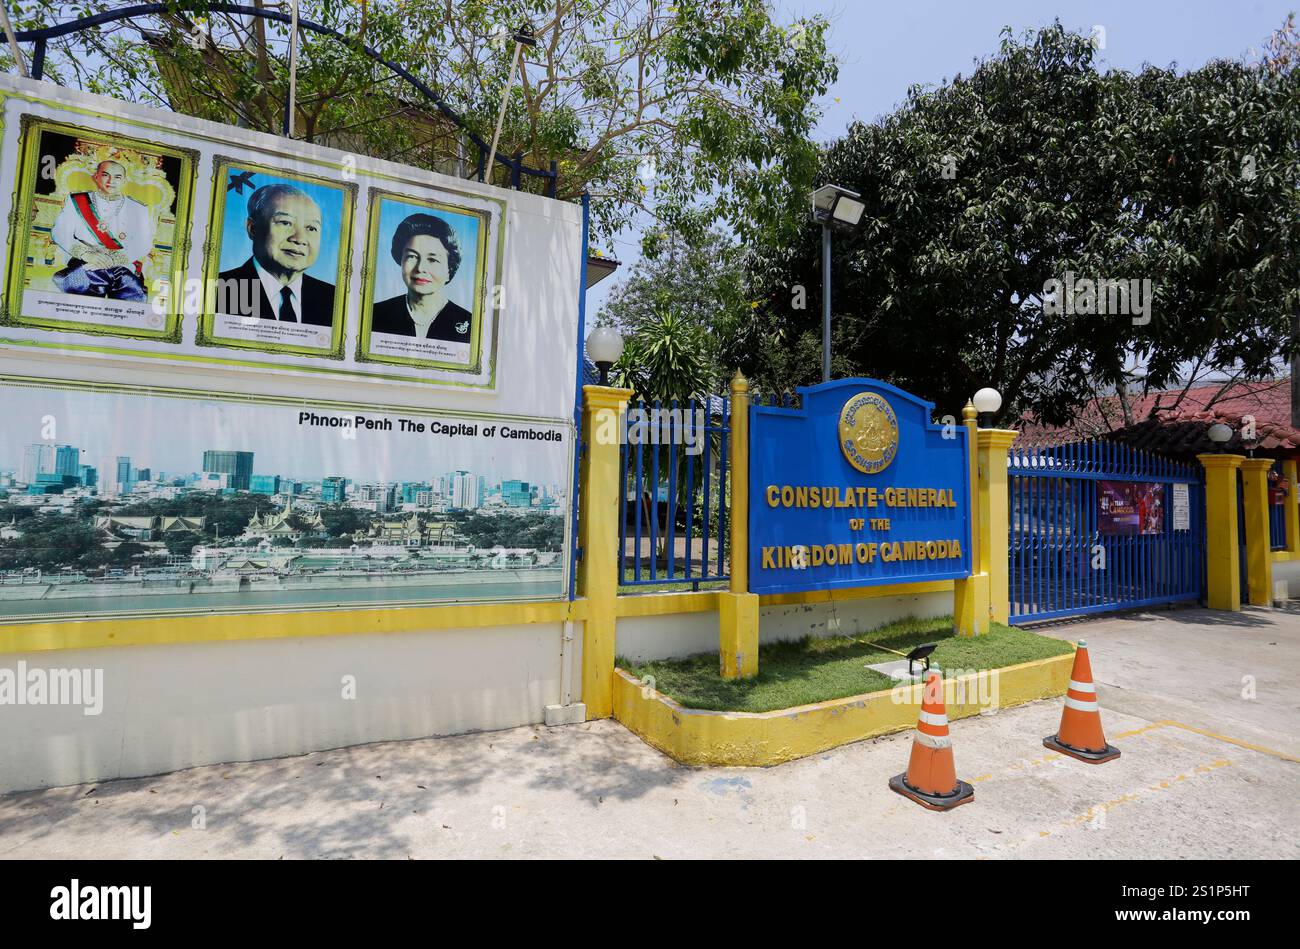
1290 510
737 607
994 509
970 608
1259 558
599 511
1222 559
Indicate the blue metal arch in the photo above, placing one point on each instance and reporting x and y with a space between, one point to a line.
517 168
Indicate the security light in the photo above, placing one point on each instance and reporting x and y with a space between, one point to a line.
1220 434
835 205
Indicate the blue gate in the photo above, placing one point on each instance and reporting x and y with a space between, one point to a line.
1097 526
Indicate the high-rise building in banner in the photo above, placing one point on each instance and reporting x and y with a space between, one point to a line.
264 484
333 490
516 494
89 476
466 491
384 496
67 461
123 480
237 464
37 459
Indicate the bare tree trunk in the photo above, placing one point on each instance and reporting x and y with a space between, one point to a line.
1295 372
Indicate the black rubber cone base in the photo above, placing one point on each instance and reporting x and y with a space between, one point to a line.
935 802
1109 753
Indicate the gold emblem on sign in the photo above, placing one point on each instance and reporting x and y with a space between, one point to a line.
868 432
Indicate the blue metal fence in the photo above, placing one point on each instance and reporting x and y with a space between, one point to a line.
1068 557
673 523
1277 512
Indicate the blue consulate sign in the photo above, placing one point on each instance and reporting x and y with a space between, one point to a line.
857 488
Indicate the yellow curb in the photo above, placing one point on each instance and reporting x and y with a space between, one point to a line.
701 738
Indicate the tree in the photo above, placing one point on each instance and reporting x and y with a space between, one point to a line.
982 191
688 111
678 312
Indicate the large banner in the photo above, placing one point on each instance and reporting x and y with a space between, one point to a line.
145 234
856 488
116 500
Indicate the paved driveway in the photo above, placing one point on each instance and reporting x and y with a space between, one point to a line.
1211 760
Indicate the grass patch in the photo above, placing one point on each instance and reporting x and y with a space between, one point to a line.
816 669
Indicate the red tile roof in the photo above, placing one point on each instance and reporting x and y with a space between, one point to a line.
1174 423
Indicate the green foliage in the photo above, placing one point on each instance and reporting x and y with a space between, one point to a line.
665 358
980 191
679 313
534 529
696 111
343 522
48 542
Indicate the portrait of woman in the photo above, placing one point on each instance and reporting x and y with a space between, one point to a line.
426 249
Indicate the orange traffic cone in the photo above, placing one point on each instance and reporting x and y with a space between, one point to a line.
931 778
1080 733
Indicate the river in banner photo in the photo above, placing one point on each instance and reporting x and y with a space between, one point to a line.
118 503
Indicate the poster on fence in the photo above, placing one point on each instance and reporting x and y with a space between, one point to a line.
114 500
1130 507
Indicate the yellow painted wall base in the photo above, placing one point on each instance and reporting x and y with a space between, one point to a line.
738 635
746 739
970 605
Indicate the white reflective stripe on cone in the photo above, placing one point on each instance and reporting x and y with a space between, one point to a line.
1083 686
1080 706
934 741
930 718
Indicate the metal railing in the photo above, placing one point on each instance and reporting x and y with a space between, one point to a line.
675 493
1071 553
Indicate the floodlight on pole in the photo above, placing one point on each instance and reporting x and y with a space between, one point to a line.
838 207
523 36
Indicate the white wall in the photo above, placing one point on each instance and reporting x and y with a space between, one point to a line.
179 706
1288 571
642 638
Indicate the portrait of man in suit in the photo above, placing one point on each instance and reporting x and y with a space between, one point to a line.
284 225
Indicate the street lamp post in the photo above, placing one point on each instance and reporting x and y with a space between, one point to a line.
1220 434
832 205
604 347
987 401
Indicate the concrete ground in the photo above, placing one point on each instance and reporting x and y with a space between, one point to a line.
1203 705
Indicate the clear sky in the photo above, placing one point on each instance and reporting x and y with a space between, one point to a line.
884 47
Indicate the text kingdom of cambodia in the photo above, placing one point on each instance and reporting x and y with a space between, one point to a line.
803 556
